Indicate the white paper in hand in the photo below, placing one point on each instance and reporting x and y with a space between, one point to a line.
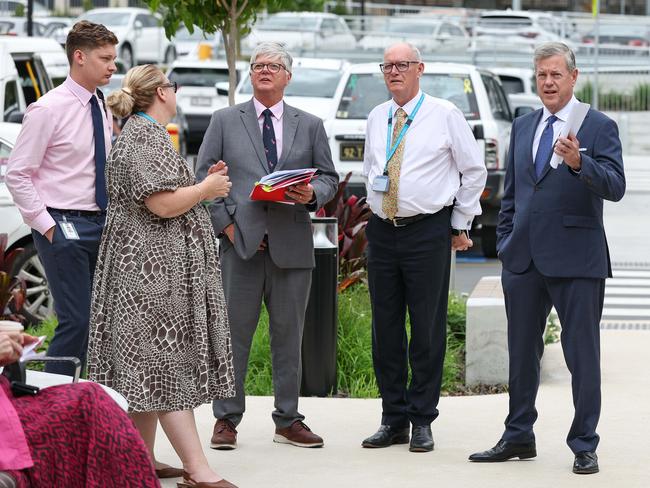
573 123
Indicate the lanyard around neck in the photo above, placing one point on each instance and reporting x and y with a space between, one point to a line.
148 117
390 151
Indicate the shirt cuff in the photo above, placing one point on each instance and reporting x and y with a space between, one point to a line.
43 222
461 221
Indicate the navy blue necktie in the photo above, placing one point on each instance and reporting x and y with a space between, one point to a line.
545 147
268 136
101 197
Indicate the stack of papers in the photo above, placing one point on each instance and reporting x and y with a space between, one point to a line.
273 186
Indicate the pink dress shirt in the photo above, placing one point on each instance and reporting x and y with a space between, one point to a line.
53 162
277 112
14 452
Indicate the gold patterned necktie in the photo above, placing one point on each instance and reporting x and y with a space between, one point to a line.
389 203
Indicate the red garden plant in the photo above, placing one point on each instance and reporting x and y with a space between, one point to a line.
352 213
12 288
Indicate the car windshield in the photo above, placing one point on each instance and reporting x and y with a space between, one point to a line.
306 82
198 76
410 28
288 23
363 92
505 22
108 18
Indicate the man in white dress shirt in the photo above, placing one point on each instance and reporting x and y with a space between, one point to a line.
423 187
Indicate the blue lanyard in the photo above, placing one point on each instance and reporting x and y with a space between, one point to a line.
390 151
148 117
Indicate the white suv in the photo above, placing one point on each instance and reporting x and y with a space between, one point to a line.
476 92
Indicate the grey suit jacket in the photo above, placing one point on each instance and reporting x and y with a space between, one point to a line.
234 136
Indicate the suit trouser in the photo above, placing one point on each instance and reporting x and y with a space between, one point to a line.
70 267
408 267
529 297
285 293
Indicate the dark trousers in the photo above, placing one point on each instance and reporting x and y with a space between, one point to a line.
408 268
70 266
529 297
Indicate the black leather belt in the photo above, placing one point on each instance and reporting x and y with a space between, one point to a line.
402 221
78 213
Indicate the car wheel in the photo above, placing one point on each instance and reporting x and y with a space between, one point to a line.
170 55
489 241
126 54
39 303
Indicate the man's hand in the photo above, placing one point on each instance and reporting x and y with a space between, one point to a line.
49 233
302 193
229 230
10 347
461 242
569 150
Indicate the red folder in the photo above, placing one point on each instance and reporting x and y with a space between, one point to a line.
273 187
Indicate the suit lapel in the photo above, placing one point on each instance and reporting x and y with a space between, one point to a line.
249 118
529 137
290 121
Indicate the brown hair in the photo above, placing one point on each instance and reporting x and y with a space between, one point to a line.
138 90
86 35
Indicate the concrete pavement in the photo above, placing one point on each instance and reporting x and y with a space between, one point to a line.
466 424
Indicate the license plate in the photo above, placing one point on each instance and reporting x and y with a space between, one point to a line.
201 101
351 151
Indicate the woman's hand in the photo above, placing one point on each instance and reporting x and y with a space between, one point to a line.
10 347
215 185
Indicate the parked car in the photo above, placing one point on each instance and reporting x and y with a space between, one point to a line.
426 34
17 26
187 44
520 86
620 34
476 92
12 7
56 27
302 31
39 303
312 86
140 34
197 93
513 29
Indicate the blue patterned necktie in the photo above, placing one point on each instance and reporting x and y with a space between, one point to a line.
101 197
268 136
545 147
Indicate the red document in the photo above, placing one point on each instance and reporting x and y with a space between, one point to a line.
273 186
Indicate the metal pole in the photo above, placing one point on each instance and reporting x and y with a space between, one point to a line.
594 94
30 14
622 7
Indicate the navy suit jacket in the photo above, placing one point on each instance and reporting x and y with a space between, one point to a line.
556 221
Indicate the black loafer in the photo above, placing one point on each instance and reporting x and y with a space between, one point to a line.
387 436
585 463
421 439
505 450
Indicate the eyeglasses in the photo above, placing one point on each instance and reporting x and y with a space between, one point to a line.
272 67
171 84
401 66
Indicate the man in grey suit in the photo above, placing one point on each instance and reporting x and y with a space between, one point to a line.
267 247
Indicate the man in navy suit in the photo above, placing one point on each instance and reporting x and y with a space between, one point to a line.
551 242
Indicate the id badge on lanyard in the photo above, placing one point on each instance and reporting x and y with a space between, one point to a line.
68 229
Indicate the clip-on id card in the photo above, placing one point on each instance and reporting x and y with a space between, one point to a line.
68 229
381 184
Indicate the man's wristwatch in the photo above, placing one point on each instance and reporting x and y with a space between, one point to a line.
457 232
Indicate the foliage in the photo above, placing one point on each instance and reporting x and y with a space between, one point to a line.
352 214
298 6
87 5
552 332
12 288
20 11
638 100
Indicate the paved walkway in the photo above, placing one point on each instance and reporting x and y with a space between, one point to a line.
466 424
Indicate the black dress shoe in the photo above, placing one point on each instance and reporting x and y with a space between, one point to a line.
585 463
421 439
505 450
387 436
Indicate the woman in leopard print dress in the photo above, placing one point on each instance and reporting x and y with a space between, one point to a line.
159 329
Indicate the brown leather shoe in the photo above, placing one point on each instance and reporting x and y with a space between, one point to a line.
224 436
298 434
188 482
169 472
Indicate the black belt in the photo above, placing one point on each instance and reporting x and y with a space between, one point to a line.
78 213
402 221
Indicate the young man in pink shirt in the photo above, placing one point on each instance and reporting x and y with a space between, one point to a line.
56 176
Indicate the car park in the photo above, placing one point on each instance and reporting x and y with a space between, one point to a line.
476 92
197 93
38 301
513 29
428 35
312 86
302 31
140 34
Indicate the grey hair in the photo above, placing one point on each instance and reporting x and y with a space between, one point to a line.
549 49
414 50
273 50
